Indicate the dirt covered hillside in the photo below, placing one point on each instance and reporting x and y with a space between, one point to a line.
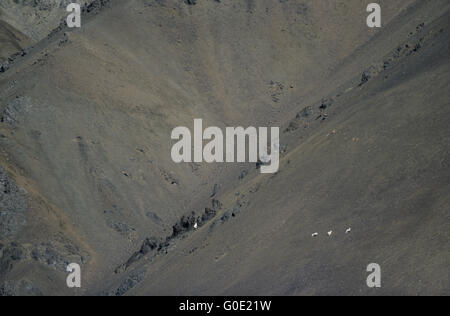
86 174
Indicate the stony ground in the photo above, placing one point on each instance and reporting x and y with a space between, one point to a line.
86 174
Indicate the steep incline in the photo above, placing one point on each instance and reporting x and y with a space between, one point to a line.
11 41
378 165
85 128
36 18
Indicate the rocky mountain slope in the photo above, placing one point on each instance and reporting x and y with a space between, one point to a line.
86 173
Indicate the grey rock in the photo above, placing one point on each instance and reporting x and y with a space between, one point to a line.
13 207
15 110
